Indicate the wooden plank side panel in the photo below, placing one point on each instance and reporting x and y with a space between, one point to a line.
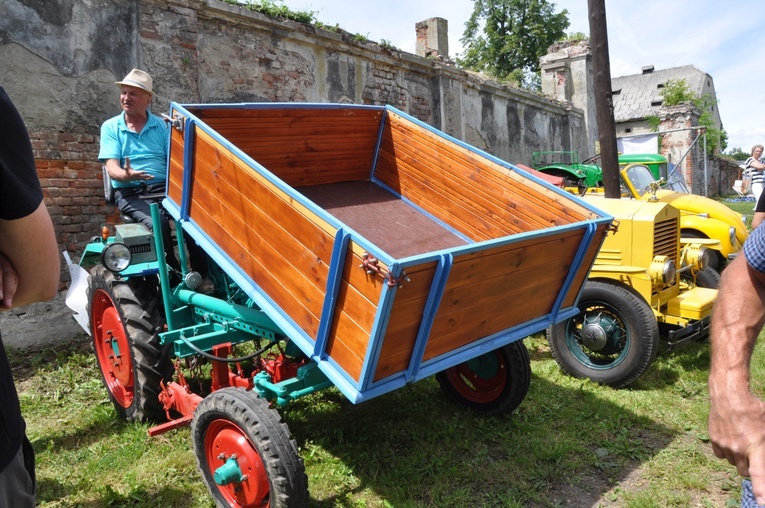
303 146
175 171
405 318
473 194
354 314
589 259
493 290
284 249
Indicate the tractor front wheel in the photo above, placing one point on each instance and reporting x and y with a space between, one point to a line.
246 453
125 320
493 383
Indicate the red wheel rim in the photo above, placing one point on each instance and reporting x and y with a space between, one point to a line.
481 380
224 439
112 348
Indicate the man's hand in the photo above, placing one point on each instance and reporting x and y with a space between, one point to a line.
132 175
9 282
737 432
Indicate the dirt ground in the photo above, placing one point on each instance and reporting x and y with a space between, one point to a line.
39 324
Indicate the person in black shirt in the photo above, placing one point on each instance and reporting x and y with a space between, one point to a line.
29 272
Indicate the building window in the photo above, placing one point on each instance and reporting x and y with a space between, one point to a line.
628 130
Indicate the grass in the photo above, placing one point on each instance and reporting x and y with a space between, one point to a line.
571 443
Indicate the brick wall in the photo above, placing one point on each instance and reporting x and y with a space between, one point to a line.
70 177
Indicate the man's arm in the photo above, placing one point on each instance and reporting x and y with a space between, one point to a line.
737 417
30 245
126 174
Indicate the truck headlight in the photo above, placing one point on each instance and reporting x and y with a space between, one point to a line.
663 269
116 257
696 256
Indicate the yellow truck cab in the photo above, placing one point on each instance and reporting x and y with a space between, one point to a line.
700 217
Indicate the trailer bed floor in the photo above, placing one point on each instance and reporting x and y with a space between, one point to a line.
387 221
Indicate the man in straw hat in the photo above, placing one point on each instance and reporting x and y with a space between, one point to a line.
135 146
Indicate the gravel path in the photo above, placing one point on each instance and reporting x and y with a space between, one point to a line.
39 324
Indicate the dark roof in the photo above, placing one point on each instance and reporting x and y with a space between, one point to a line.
638 96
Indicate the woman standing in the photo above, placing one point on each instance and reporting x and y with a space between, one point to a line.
754 169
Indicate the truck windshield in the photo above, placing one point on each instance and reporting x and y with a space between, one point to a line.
640 177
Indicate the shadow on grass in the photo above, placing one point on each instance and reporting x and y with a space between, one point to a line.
567 445
52 491
413 447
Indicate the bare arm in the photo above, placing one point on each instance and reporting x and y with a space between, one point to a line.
29 244
737 417
126 174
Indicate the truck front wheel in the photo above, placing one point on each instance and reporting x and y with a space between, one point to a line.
125 320
612 341
493 383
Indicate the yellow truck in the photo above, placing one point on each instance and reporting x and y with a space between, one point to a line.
645 285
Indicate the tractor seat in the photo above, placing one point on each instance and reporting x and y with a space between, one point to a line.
109 194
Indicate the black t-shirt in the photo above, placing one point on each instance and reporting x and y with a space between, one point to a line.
20 195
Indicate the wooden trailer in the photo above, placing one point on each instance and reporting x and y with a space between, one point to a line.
385 249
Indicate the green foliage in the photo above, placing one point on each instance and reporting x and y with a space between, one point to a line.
654 121
576 37
388 45
329 28
360 38
676 91
276 9
503 37
737 154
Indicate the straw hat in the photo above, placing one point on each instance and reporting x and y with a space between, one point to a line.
138 79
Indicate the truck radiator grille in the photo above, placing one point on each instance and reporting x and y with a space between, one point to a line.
665 239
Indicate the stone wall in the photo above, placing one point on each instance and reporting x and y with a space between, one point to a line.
59 60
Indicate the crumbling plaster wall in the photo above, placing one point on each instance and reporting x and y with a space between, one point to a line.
59 60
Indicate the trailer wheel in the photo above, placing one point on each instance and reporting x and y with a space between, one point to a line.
124 321
706 278
246 453
612 341
493 383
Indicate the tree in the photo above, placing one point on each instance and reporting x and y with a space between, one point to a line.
677 91
515 34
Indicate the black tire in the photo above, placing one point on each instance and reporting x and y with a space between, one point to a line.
706 278
716 260
125 320
493 383
612 341
236 433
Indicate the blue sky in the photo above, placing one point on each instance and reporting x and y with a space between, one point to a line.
725 40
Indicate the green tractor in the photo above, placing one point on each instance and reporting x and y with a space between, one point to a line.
587 173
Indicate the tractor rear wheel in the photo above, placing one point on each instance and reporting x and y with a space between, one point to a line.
493 383
246 453
125 322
